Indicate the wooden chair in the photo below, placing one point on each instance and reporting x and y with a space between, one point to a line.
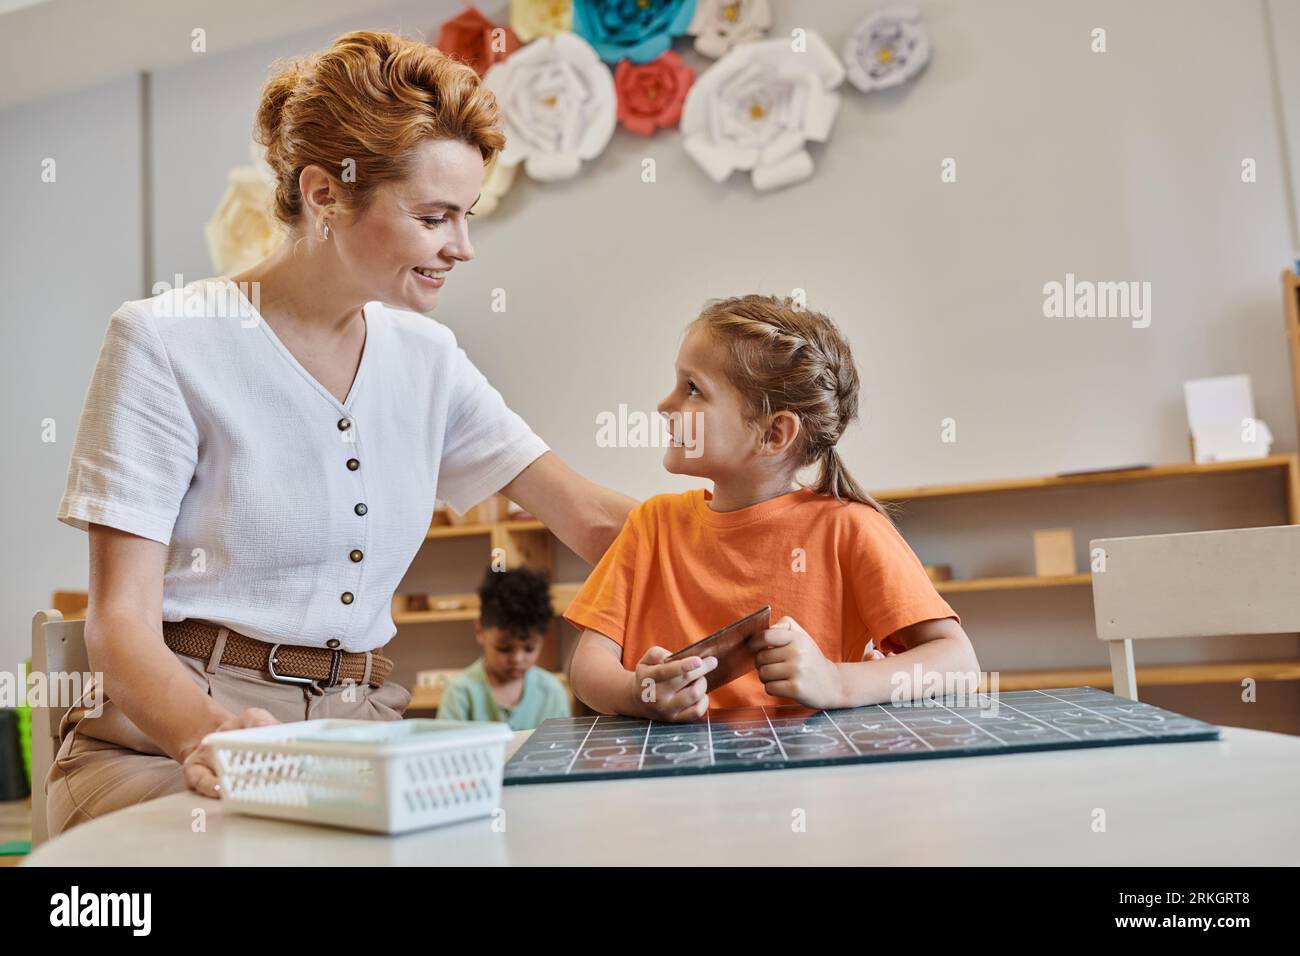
1238 582
58 647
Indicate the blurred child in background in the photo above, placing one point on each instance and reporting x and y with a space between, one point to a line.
505 684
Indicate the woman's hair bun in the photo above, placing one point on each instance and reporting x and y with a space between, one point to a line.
364 103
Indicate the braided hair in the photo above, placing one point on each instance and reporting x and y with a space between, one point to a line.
785 358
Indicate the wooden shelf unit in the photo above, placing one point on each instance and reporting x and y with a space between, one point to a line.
1287 465
1165 675
1286 468
1011 583
520 543
561 596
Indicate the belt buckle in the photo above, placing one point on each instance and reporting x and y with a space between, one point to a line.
283 678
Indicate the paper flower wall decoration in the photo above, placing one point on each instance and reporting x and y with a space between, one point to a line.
887 49
497 180
531 19
557 100
757 106
472 38
718 25
636 30
244 230
650 95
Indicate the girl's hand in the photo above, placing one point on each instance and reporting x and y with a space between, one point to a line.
790 664
199 768
673 692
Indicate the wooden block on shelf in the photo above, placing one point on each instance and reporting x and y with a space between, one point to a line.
1054 552
71 604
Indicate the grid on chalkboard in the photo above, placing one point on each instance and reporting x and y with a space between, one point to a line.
773 738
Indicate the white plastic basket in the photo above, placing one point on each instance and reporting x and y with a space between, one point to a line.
383 776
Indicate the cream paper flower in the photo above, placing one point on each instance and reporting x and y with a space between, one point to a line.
497 180
887 49
244 230
719 25
531 19
757 106
557 100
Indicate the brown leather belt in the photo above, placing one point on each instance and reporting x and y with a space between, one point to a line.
286 663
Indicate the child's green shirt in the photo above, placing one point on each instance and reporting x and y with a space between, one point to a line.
469 697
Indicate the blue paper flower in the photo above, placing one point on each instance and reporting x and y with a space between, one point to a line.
636 30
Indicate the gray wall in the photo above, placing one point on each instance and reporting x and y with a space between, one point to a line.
70 252
1123 165
1115 166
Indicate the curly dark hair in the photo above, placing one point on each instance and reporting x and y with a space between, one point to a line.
517 601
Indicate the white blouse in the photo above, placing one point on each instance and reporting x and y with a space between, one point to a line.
289 516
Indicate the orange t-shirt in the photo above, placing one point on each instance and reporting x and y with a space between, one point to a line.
679 571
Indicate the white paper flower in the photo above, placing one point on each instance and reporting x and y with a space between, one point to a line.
757 106
887 49
719 25
497 180
558 103
244 230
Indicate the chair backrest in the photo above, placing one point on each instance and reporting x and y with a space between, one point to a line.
58 647
1242 581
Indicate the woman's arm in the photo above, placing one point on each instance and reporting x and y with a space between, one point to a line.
124 643
586 516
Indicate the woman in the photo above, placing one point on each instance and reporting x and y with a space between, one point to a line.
255 481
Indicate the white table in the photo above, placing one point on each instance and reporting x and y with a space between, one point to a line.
1225 802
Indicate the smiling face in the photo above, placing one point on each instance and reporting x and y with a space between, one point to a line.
707 417
418 224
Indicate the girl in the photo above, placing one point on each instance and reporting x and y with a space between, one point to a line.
763 390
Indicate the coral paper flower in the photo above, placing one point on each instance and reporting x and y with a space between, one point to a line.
887 49
650 95
756 107
476 40
636 30
557 100
540 18
719 25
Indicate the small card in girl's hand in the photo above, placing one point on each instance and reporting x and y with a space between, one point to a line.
728 646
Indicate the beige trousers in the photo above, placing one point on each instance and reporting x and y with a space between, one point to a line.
105 763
